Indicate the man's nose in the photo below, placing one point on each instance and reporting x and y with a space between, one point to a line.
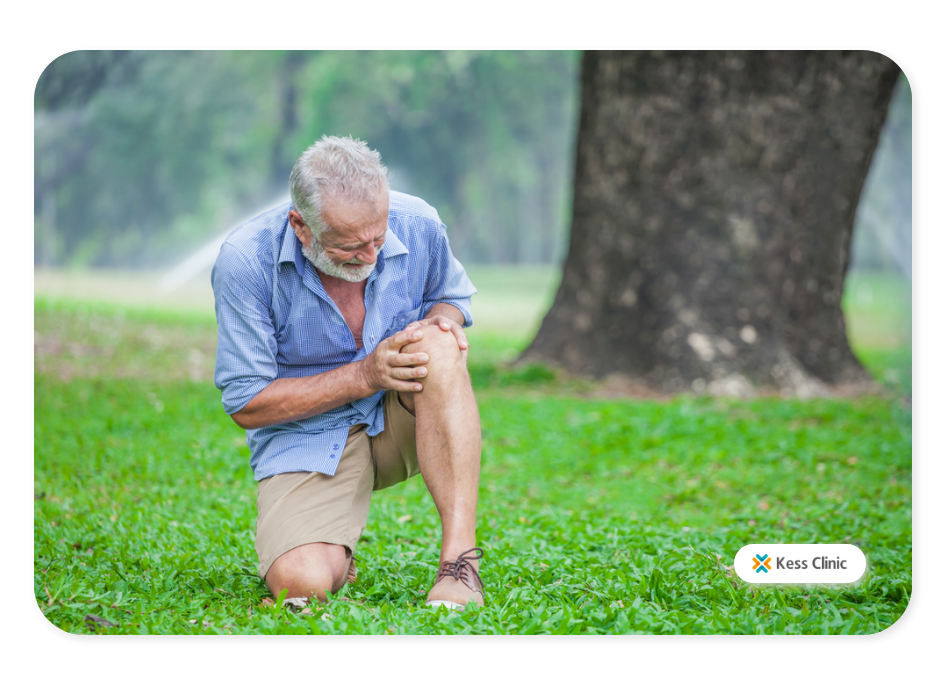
368 254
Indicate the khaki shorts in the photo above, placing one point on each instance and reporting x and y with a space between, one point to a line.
296 508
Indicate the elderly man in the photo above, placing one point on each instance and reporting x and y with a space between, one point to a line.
341 351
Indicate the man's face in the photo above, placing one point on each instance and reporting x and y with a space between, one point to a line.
348 248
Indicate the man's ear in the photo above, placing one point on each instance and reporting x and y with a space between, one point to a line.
299 227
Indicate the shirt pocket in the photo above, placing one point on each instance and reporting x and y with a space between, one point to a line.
403 318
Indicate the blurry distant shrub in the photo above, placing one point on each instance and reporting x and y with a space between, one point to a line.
141 156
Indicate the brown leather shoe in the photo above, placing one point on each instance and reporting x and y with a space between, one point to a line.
458 583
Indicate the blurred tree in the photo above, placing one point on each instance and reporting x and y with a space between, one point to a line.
144 155
484 136
139 152
713 206
63 145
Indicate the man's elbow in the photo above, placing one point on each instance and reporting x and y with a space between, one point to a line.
243 420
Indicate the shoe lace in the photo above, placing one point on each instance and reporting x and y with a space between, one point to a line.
462 567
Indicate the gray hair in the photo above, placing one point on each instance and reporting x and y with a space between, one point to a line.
339 169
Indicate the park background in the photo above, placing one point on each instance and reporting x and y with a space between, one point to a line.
145 159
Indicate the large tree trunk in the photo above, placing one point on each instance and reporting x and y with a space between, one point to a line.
714 202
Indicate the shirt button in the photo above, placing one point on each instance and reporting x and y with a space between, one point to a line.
333 455
372 339
335 447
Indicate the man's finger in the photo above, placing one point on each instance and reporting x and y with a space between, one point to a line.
408 372
462 341
408 359
405 385
405 337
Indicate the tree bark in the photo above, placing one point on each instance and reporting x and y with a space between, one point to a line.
712 216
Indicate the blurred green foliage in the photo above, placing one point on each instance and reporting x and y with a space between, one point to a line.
142 156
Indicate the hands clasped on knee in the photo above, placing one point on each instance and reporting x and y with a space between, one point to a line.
401 362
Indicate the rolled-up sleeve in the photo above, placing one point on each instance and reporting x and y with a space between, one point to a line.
447 281
246 340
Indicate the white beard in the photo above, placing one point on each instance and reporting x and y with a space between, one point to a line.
323 263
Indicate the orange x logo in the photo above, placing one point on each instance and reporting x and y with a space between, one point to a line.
761 563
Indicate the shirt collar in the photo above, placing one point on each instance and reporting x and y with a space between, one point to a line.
291 249
392 245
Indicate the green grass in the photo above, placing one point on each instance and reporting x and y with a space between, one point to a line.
597 515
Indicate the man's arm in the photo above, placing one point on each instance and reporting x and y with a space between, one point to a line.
445 310
290 399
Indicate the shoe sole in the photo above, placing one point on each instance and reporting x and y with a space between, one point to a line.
452 605
448 604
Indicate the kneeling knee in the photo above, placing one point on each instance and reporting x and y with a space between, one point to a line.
305 583
309 571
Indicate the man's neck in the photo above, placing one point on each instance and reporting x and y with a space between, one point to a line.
338 285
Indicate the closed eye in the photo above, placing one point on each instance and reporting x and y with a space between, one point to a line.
377 242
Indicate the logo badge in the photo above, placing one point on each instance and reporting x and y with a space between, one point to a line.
764 563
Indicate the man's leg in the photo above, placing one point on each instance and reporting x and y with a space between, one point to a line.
448 439
309 524
309 571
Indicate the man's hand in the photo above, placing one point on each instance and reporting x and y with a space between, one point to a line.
291 399
447 324
387 368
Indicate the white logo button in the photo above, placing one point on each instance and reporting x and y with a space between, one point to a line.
800 563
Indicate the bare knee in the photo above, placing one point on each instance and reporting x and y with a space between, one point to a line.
446 368
440 346
309 571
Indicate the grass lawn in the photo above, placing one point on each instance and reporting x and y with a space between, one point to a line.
598 515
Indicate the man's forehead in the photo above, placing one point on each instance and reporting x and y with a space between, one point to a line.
367 199
341 213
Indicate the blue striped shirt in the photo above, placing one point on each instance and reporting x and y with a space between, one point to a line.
275 320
